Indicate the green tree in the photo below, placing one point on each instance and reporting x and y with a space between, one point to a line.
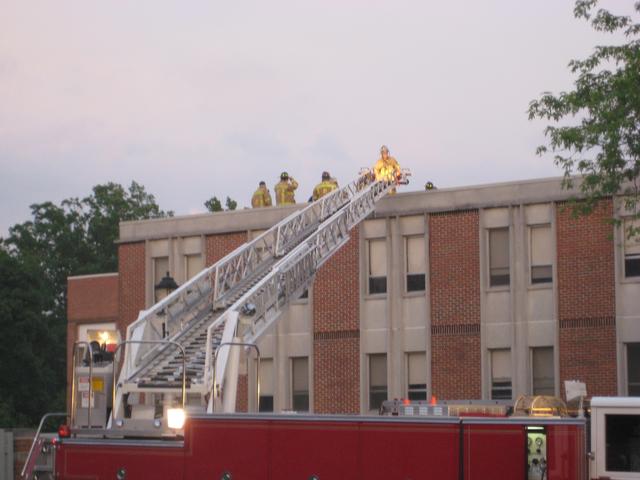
596 126
231 204
74 238
215 205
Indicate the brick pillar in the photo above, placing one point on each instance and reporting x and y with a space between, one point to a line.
336 331
242 394
586 299
455 304
217 246
131 267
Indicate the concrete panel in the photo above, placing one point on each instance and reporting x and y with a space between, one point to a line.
495 218
159 248
374 341
628 295
374 313
629 328
413 225
540 304
498 335
296 344
497 307
414 311
374 229
415 339
538 214
541 333
298 319
191 245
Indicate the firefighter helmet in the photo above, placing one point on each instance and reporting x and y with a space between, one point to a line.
284 176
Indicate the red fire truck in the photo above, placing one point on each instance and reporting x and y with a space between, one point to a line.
166 410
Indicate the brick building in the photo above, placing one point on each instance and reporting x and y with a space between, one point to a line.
479 292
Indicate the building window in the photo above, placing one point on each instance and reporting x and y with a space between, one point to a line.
300 384
633 369
193 265
541 253
266 385
377 266
377 380
416 265
417 376
160 269
501 374
621 444
632 248
498 257
542 371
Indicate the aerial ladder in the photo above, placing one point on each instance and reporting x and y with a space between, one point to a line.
174 354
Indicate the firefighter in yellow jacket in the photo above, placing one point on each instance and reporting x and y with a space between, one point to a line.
387 167
261 197
285 190
327 185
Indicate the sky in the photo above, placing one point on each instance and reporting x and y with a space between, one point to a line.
200 98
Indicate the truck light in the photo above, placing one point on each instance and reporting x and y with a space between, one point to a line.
64 431
175 418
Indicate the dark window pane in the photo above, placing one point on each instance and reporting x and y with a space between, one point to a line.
266 403
377 395
418 391
301 401
415 282
622 440
633 369
541 274
377 285
632 266
499 276
501 390
305 294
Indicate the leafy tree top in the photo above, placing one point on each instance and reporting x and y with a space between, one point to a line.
596 126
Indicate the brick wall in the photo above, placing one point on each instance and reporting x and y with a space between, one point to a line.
336 331
242 394
217 246
455 304
586 299
131 266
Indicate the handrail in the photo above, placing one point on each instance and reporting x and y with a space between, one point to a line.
115 359
73 383
215 361
23 472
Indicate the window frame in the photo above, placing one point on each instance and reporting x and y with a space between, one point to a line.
292 385
553 369
492 384
490 284
370 392
368 266
406 272
549 282
417 387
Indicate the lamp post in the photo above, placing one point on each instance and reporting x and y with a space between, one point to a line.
165 286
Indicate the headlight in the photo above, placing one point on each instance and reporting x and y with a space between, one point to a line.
175 418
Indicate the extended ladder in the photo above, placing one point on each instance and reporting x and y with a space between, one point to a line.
237 298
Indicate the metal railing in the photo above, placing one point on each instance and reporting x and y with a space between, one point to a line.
214 386
115 385
294 273
30 461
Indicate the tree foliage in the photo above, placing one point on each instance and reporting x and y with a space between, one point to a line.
596 126
215 205
74 238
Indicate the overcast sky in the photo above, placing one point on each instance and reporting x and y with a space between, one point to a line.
201 98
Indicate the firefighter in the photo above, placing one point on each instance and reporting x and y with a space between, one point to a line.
327 185
387 168
261 197
285 190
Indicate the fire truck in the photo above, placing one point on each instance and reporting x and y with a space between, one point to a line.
161 403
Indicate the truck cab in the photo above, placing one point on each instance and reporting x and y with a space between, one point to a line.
615 438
